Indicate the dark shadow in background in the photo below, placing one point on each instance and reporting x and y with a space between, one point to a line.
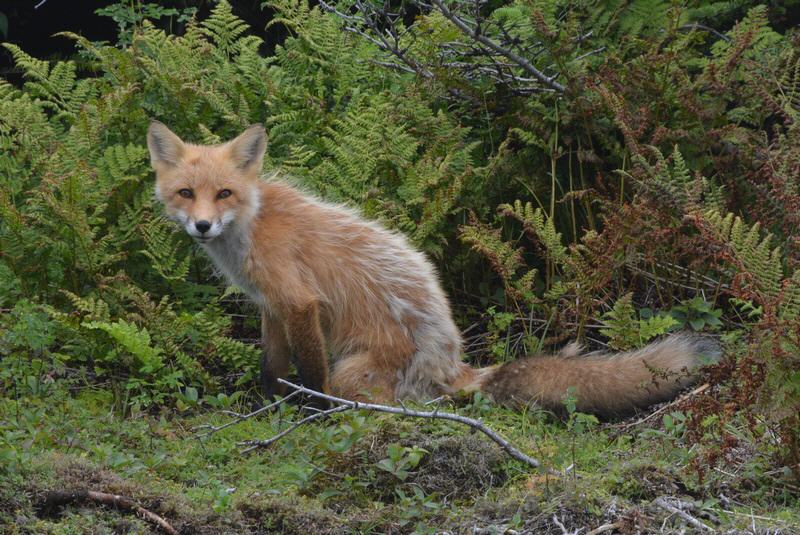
32 29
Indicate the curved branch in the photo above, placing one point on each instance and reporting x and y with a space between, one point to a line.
516 58
270 441
57 498
664 504
703 27
346 404
239 417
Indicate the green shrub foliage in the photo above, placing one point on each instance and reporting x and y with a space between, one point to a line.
85 245
561 203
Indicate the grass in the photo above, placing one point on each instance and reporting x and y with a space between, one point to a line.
364 473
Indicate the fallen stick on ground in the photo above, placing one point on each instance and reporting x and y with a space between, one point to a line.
211 429
664 504
563 529
700 389
57 498
342 405
605 527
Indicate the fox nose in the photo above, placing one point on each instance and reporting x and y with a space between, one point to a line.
202 226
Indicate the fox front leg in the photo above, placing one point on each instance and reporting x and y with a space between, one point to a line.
275 357
308 347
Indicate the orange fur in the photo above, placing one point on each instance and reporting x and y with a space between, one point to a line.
332 285
609 385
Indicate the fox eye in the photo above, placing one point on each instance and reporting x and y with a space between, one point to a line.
224 194
185 193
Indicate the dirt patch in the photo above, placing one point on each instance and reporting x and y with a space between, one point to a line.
256 514
68 473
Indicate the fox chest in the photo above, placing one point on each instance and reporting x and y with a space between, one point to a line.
230 258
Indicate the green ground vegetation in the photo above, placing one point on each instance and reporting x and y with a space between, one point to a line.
368 473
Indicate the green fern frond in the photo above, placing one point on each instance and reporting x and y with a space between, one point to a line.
133 340
162 246
621 326
56 86
539 227
505 259
762 262
223 27
121 163
91 308
625 330
670 179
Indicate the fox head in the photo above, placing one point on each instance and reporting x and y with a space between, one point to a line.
207 188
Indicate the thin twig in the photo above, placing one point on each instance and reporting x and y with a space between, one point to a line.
380 41
590 53
605 527
751 515
564 531
388 41
391 65
700 389
255 444
240 417
346 404
664 504
698 26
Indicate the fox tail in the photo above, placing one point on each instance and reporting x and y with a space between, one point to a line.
602 383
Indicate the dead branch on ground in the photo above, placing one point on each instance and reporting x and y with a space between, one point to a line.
343 405
56 498
678 509
241 417
625 426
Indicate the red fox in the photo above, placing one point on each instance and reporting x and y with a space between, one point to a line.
332 285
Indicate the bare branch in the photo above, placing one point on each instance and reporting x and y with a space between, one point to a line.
516 58
664 504
563 529
590 53
254 444
395 66
698 26
56 498
605 527
240 417
345 405
380 41
700 389
497 60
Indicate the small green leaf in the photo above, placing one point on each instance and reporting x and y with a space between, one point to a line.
697 323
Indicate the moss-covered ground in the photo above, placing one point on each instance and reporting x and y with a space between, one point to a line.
372 473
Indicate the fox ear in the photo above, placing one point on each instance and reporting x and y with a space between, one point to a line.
165 147
247 150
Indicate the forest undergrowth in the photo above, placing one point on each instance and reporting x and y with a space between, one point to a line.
607 172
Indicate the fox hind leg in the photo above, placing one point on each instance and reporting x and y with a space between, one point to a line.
359 377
